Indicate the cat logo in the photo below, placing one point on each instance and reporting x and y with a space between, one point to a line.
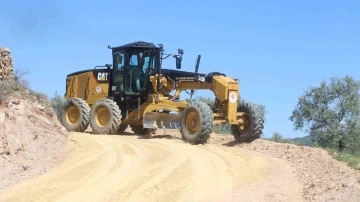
102 76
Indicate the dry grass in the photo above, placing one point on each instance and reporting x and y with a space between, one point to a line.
21 85
7 88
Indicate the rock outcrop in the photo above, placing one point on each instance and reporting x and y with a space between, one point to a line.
6 64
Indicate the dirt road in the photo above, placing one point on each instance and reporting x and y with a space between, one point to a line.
128 168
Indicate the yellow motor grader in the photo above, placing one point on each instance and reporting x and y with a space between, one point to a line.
136 91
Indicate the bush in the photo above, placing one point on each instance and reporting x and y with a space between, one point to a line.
57 103
11 85
277 137
6 88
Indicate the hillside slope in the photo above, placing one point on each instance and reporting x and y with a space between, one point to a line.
31 138
323 178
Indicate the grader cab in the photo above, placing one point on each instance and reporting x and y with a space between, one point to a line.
136 91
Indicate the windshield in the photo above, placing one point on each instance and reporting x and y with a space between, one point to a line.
139 69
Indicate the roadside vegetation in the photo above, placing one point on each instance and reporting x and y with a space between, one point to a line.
57 102
19 84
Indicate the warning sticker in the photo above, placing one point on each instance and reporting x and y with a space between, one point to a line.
98 89
232 97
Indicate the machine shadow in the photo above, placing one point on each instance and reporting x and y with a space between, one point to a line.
163 136
235 143
170 137
157 136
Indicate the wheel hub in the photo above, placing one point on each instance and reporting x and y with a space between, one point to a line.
72 115
192 122
245 123
102 116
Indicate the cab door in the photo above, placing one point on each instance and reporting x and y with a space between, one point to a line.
117 86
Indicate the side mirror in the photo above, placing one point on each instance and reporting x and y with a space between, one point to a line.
180 51
178 63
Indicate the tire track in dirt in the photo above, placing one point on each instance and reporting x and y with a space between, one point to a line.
127 168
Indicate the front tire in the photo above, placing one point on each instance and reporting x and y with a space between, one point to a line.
75 117
196 123
254 123
105 117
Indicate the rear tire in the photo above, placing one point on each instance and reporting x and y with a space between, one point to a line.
105 117
196 123
255 117
75 117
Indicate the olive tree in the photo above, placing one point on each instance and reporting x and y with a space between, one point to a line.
330 113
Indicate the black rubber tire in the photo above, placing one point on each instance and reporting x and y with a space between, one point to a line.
140 130
205 115
256 123
83 123
115 117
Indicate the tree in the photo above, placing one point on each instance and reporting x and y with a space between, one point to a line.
330 113
276 137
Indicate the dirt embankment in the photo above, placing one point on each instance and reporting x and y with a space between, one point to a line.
131 168
31 139
323 178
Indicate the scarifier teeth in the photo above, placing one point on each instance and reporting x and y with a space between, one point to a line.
156 120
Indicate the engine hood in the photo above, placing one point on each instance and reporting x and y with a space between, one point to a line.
178 75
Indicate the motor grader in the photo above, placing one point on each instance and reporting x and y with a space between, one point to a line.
136 91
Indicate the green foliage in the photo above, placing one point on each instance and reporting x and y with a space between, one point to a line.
277 137
330 114
303 141
57 103
352 160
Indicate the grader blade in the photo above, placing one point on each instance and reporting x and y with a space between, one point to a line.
156 120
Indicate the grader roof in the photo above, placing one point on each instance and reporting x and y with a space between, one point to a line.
136 44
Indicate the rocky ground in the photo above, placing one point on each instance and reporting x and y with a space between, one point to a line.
31 139
323 177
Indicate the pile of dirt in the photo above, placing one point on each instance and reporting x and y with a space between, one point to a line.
31 138
323 177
